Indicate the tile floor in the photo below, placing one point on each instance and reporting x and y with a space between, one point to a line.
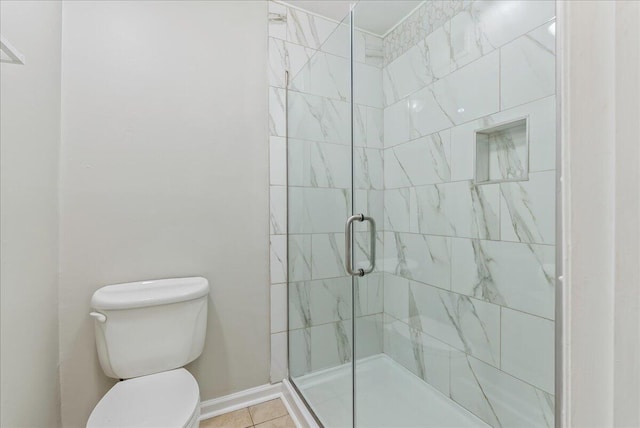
270 414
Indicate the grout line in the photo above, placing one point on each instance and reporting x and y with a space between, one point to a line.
470 297
469 355
419 234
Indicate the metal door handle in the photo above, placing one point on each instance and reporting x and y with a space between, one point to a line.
347 245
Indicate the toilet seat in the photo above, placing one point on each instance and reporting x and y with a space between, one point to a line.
168 399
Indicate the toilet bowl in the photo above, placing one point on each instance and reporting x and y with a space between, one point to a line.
145 333
168 399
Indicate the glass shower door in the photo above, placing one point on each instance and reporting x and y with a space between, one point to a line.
454 156
320 199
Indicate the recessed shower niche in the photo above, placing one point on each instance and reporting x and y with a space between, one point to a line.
502 152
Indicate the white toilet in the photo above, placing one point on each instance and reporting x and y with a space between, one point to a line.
145 333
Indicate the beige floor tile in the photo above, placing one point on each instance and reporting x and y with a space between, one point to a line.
266 411
238 419
281 422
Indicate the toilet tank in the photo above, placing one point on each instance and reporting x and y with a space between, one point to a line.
149 327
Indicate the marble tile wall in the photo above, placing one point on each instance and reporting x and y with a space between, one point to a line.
469 269
316 53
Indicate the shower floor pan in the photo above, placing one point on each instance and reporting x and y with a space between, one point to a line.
388 395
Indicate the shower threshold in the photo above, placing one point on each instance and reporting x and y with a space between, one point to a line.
388 395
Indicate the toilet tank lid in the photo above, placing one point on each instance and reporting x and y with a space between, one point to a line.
149 293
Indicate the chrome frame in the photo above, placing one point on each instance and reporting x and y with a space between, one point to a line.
560 399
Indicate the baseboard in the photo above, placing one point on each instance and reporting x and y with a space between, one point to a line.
250 397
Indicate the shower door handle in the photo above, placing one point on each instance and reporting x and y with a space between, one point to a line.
347 245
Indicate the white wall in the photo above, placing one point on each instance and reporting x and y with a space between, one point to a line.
164 173
601 193
30 136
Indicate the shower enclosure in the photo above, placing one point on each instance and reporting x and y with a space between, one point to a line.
421 188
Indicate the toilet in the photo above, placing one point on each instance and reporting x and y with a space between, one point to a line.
145 333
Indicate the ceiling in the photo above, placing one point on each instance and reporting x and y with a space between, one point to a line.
375 16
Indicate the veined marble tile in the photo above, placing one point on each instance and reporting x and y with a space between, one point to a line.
278 311
299 213
318 119
542 133
468 41
396 123
419 257
330 300
362 247
438 47
277 21
330 165
396 210
475 210
471 91
497 22
528 348
462 151
456 209
528 209
277 117
428 113
299 162
308 30
300 305
300 352
317 164
278 258
374 128
328 255
407 74
470 325
430 210
528 66
542 137
367 168
359 125
519 276
285 56
371 203
299 257
541 116
420 353
278 210
339 41
318 210
496 397
359 46
324 75
369 334
330 345
367 85
421 161
277 161
278 370
396 297
375 293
